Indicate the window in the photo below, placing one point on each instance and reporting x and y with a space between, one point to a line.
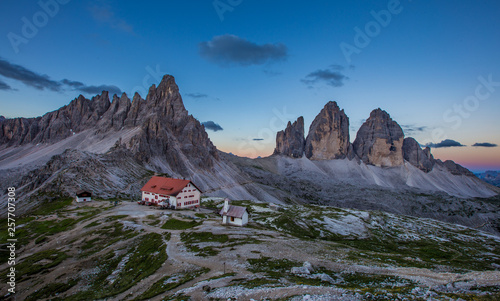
232 218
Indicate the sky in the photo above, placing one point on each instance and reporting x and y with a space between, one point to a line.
245 68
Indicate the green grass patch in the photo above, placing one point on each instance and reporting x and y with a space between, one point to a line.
289 225
93 224
53 206
40 239
272 266
39 262
51 290
222 276
256 282
153 220
106 236
115 217
192 238
177 297
146 256
168 283
98 284
201 215
177 224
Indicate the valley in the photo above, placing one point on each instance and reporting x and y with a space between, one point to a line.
97 250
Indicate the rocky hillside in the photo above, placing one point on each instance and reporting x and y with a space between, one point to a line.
158 126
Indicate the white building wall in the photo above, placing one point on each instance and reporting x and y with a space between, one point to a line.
188 197
244 219
237 221
154 198
85 199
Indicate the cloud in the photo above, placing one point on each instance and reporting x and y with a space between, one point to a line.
28 77
445 143
103 13
485 144
197 95
271 72
332 76
230 49
410 129
210 125
4 86
257 139
79 86
43 82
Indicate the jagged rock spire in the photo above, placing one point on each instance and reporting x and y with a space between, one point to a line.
328 136
290 142
379 141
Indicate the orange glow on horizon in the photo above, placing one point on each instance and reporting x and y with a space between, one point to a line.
470 157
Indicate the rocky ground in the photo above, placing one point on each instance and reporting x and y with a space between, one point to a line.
94 251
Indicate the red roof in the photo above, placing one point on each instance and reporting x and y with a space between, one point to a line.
166 186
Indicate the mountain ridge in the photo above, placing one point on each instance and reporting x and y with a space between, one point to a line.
380 141
112 146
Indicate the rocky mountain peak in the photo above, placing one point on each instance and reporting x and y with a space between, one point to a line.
379 141
290 142
163 127
328 136
418 157
167 100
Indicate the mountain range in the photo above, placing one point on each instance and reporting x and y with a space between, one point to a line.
490 176
111 147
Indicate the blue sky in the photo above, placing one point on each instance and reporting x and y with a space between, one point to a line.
251 66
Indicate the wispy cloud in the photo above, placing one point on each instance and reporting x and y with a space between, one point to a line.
485 144
28 77
79 86
4 86
411 129
272 72
44 82
332 76
229 49
103 13
197 95
445 143
210 125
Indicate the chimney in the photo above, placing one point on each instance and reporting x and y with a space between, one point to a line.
226 205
